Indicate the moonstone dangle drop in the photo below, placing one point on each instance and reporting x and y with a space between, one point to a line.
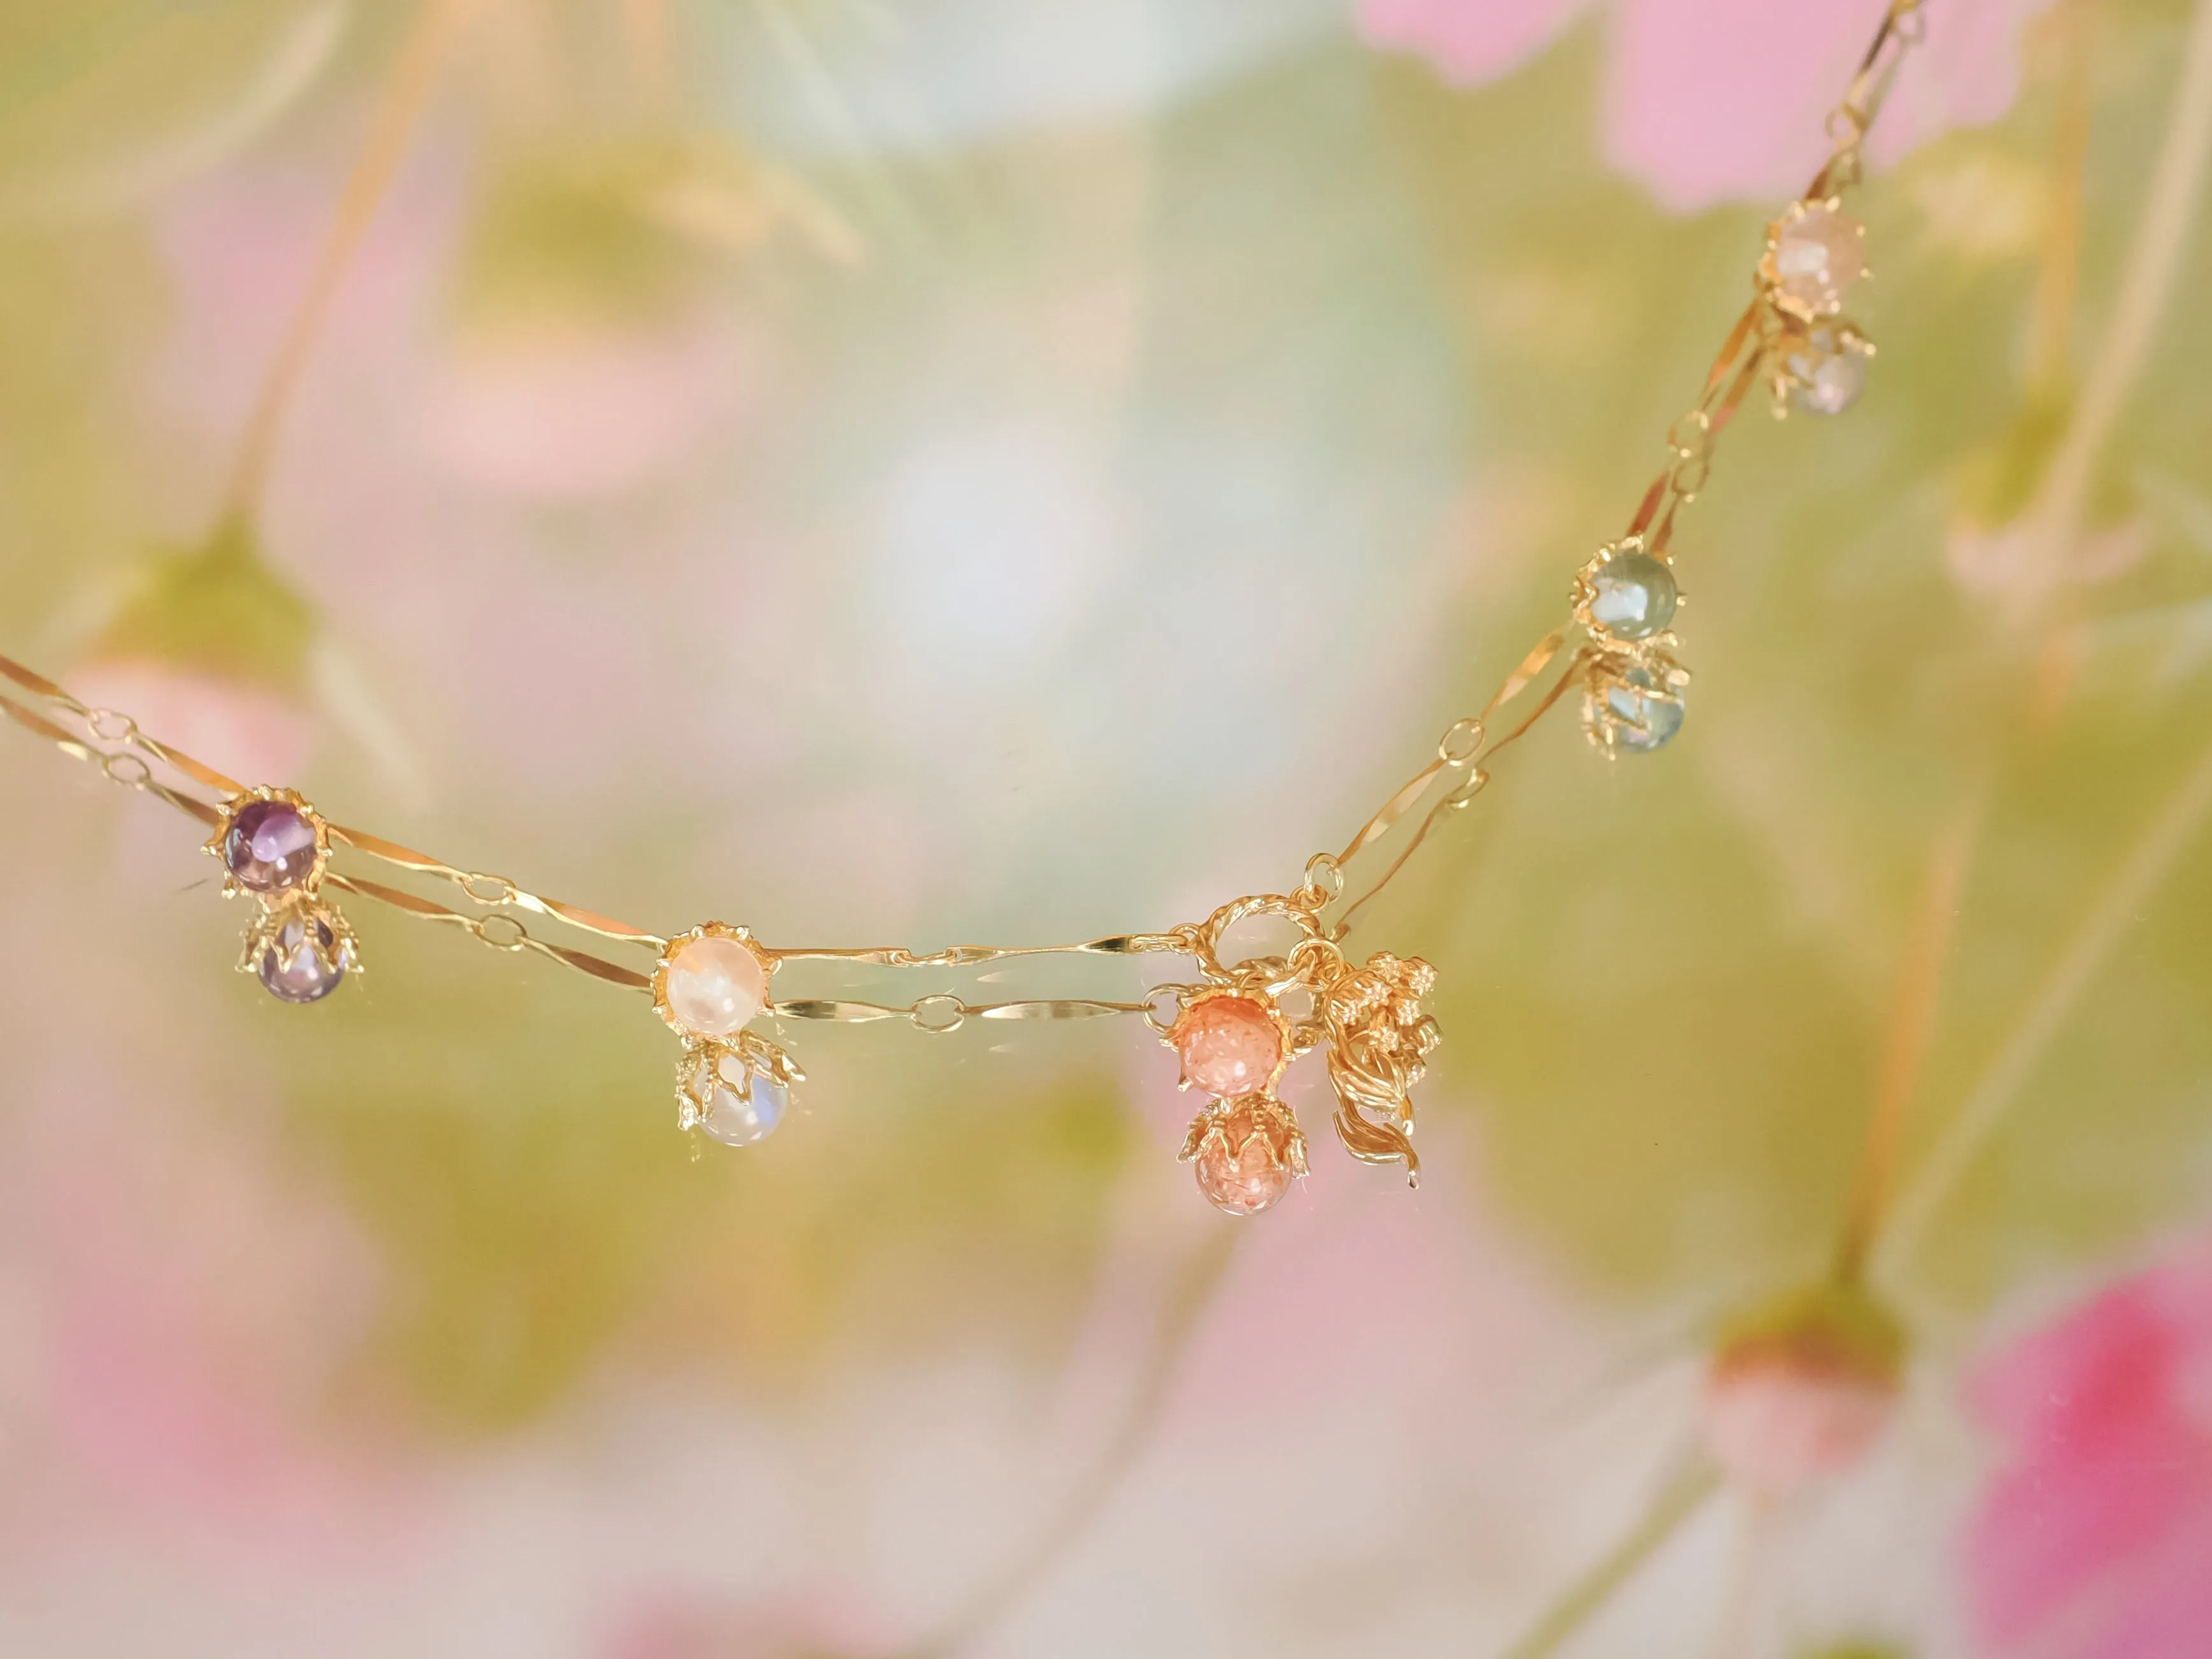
732 1086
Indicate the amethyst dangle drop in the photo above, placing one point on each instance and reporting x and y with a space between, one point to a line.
274 848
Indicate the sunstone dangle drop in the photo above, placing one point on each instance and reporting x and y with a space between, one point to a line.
1246 1152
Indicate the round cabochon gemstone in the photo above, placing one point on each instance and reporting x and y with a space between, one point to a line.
1829 375
1817 257
1241 1169
745 1106
1633 596
1230 1046
714 986
269 845
305 962
1643 718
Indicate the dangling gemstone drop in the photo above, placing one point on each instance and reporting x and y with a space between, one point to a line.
1632 709
738 1105
1245 1153
1647 717
1826 373
744 1105
305 962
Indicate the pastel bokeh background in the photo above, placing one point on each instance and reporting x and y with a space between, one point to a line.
889 472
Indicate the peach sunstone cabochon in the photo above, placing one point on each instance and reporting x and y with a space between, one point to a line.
1230 1045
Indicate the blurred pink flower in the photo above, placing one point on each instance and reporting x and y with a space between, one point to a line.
2093 1542
1801 1385
192 1310
1779 1425
1709 99
677 1625
559 413
251 733
1993 564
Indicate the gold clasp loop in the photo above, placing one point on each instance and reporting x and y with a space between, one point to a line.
1204 939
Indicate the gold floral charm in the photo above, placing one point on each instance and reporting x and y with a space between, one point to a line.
1379 1042
275 848
731 1084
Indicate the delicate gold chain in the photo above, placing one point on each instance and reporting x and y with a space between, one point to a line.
1369 1017
1467 744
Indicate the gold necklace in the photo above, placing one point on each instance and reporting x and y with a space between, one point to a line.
1239 1025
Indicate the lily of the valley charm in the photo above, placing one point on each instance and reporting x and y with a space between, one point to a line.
1379 1042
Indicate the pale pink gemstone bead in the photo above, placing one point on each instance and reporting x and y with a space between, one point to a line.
1241 1169
714 986
1817 257
1776 1421
1230 1046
